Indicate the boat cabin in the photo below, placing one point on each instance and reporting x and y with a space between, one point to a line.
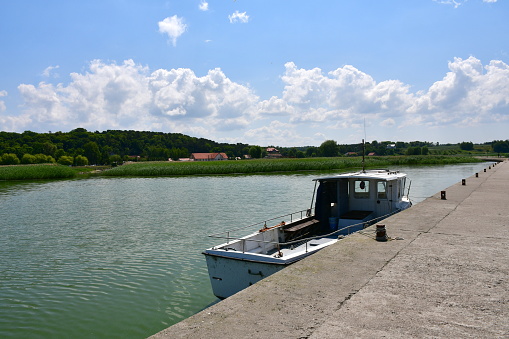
358 198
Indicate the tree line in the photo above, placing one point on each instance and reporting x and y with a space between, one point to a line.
81 147
112 146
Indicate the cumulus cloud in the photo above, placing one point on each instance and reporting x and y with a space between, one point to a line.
130 96
340 94
204 6
468 94
238 17
173 26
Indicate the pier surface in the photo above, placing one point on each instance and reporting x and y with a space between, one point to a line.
444 273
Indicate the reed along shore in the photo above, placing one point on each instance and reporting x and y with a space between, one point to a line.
277 165
253 166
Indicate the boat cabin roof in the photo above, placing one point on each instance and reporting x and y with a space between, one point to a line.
379 174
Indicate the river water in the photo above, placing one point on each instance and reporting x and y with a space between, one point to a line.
121 257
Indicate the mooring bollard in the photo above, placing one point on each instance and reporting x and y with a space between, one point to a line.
485 170
477 175
442 195
489 167
381 233
463 182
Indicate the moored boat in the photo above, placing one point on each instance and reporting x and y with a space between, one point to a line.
343 204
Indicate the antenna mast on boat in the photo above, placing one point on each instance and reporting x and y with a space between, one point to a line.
363 147
363 170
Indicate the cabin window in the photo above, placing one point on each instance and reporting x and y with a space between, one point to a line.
382 190
361 189
401 191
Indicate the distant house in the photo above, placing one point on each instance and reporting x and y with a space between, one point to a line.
350 154
208 156
272 152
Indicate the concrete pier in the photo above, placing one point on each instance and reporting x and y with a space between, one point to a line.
443 273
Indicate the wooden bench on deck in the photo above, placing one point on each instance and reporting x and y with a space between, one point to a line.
301 229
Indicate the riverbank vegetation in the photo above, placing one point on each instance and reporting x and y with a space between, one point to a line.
285 165
43 171
147 154
276 165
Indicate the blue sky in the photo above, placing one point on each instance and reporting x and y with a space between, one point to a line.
284 73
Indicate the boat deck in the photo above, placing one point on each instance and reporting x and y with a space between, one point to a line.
303 246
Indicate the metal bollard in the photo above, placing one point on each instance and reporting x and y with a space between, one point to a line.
477 175
381 233
485 170
442 195
463 182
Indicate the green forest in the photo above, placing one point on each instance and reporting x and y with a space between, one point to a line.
80 147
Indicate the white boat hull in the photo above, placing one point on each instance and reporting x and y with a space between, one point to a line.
229 276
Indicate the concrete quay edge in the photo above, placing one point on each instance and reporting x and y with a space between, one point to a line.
443 273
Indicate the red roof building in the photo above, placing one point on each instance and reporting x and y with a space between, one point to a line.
208 156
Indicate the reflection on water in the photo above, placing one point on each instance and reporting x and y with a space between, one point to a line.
121 257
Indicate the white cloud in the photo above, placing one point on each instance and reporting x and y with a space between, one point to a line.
341 94
15 123
130 96
468 94
127 96
388 122
455 3
275 106
2 103
173 26
48 71
238 17
204 6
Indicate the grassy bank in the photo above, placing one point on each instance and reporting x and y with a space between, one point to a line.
146 169
28 172
154 169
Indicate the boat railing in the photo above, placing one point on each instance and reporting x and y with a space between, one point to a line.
278 245
338 232
294 216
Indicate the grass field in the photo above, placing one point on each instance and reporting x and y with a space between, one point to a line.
275 165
